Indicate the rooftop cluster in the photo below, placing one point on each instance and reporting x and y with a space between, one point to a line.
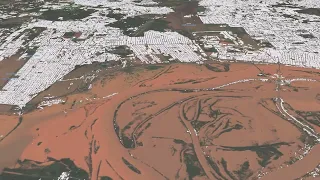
53 46
295 36
57 55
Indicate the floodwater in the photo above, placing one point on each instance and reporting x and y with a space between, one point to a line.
167 123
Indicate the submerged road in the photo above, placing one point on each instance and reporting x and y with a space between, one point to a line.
195 140
211 174
312 159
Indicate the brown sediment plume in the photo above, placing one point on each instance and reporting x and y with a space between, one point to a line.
172 122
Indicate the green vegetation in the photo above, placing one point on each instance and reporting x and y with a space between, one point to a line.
128 24
186 34
122 51
201 9
213 68
128 69
310 11
158 25
128 126
138 25
164 58
312 117
178 141
211 50
171 3
214 113
244 172
185 82
226 67
31 50
214 166
193 166
153 67
105 178
155 24
13 22
29 170
109 64
240 31
67 13
127 142
69 34
225 168
264 152
197 125
115 15
307 36
31 34
130 166
228 40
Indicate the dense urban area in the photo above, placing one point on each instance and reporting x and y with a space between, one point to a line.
238 80
89 30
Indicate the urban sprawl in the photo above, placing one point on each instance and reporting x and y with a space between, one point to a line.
60 45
